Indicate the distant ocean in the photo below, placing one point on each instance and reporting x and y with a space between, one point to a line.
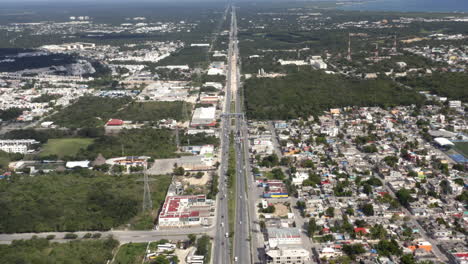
410 6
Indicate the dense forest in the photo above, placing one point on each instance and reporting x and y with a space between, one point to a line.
154 111
41 250
89 111
307 93
80 200
452 85
33 62
156 143
10 113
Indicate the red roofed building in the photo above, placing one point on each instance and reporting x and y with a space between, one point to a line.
185 211
361 230
115 122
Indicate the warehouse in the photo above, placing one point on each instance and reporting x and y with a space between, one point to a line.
204 116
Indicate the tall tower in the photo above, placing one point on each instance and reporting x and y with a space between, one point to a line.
349 47
376 50
394 44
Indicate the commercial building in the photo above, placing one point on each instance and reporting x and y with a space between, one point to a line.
283 236
287 255
186 211
17 145
204 116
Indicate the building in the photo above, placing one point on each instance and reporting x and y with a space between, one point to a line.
204 116
130 161
318 64
455 104
17 145
77 164
186 211
283 236
287 255
299 177
292 62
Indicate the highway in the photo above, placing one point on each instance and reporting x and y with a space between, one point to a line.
221 247
242 235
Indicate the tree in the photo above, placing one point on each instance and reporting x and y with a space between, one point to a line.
378 232
407 259
179 171
192 238
368 209
203 246
388 248
161 259
391 160
367 189
330 212
312 227
353 249
404 197
278 174
70 236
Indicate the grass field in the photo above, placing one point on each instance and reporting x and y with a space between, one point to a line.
65 146
462 147
131 253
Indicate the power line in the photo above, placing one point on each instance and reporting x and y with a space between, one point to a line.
147 201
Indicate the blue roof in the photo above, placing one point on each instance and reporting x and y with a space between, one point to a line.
459 158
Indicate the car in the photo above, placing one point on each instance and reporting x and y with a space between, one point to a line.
236 259
240 222
227 234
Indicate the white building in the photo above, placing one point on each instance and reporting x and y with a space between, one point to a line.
318 63
204 116
293 62
185 211
287 255
455 104
299 177
17 145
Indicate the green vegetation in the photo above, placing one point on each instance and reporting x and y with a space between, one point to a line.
231 178
82 200
154 111
353 249
41 250
45 98
132 253
307 93
204 247
156 143
451 85
33 62
89 111
65 146
193 56
6 158
11 113
462 147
